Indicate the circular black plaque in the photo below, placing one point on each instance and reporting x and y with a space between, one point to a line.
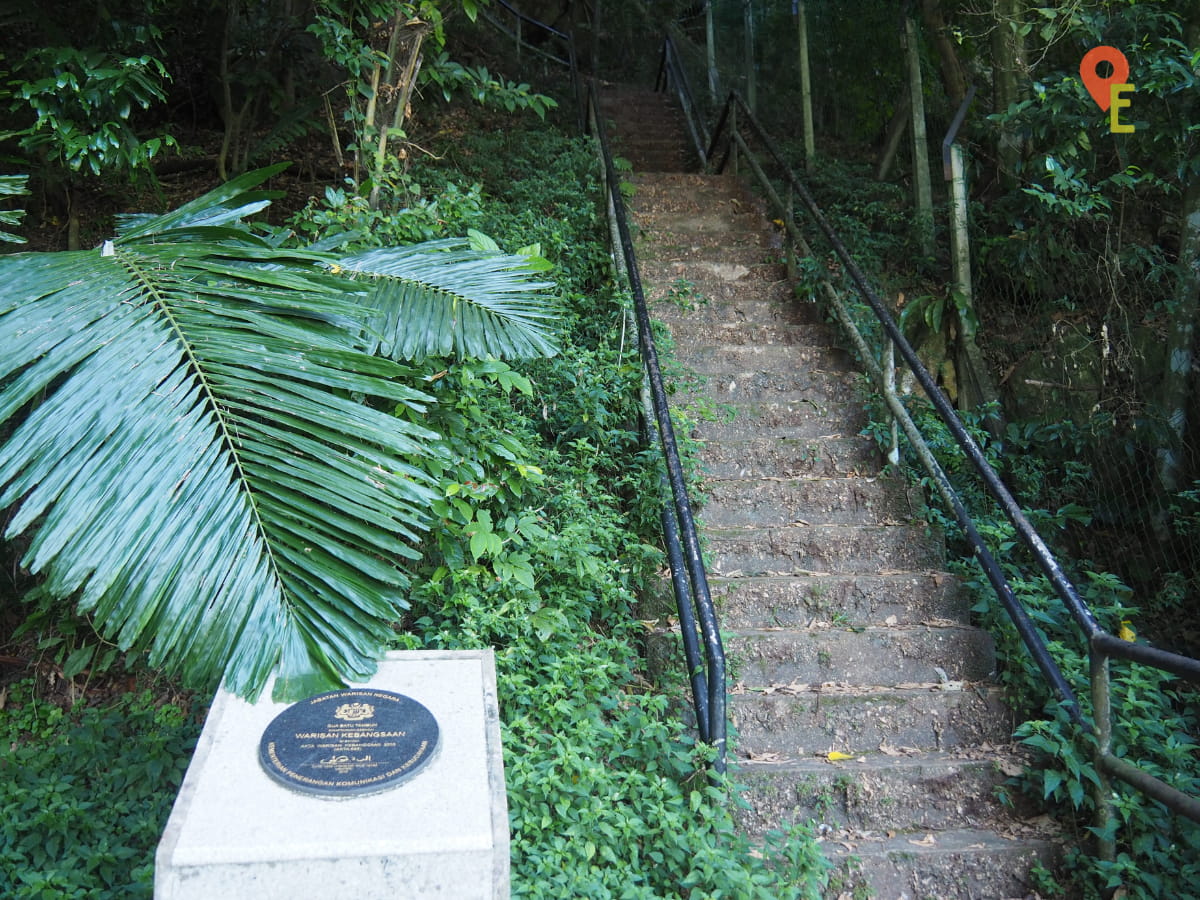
348 743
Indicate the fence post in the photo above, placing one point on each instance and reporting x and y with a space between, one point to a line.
960 247
710 49
1106 847
733 134
789 244
805 84
751 75
924 192
889 390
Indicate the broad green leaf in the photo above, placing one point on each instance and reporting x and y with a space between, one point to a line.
441 298
190 447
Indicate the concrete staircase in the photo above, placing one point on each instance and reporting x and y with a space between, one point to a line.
860 694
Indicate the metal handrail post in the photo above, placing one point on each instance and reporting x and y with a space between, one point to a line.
1106 846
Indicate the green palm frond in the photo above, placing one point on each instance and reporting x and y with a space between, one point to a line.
441 298
12 186
188 444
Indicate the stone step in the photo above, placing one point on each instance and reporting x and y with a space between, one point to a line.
802 386
663 190
785 501
813 549
709 273
800 720
683 305
691 218
739 453
696 294
903 654
790 601
924 793
653 160
669 133
801 419
959 864
735 345
735 252
749 363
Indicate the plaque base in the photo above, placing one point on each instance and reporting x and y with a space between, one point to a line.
237 833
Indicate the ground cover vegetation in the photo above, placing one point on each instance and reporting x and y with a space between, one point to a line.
1084 268
525 518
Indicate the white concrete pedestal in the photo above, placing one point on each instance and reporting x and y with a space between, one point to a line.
236 834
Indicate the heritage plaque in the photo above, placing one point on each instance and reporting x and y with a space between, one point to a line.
348 743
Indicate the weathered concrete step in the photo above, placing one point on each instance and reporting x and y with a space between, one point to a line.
961 864
663 141
809 549
652 160
634 113
785 501
666 131
702 220
709 273
792 363
683 304
804 387
737 253
662 190
735 345
694 294
800 720
904 654
804 419
732 453
794 601
642 108
927 792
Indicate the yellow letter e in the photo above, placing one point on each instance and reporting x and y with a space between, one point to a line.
1116 104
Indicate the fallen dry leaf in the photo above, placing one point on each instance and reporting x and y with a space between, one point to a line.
926 841
768 756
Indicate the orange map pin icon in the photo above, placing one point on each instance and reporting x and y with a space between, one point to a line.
1099 86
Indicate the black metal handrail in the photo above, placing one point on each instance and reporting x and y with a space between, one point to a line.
728 140
697 615
693 599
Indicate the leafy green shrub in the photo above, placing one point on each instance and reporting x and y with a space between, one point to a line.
86 793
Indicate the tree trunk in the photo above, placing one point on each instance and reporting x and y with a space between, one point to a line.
938 34
895 131
1177 379
1008 70
1176 393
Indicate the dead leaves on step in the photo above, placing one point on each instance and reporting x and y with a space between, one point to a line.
841 687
